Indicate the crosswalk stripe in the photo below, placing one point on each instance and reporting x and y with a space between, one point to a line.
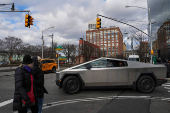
167 87
6 102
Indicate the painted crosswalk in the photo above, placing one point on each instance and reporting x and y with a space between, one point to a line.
166 86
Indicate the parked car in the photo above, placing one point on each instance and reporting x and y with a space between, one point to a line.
110 72
3 63
49 65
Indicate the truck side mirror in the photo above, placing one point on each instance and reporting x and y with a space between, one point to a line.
88 66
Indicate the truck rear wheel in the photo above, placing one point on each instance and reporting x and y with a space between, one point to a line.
145 84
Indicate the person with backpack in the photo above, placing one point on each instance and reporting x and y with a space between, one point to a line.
39 81
25 92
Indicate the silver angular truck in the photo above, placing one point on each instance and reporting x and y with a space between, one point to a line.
111 72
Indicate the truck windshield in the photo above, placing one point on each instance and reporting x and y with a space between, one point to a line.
133 59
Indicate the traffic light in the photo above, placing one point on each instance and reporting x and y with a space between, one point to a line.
98 23
31 20
26 20
152 52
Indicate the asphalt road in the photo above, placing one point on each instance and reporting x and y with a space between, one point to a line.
91 101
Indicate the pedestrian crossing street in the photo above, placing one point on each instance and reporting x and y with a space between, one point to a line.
166 86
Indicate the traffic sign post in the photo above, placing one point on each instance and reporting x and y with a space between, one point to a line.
58 48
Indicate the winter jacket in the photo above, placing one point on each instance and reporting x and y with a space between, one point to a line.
39 79
22 86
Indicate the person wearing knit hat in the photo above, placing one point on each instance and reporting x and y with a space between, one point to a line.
25 96
27 59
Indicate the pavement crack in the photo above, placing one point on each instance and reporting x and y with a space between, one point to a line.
116 97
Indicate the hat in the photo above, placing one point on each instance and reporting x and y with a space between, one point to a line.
27 59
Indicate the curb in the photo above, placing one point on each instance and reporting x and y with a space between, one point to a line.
6 75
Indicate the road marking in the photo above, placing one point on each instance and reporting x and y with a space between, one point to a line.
6 102
48 105
166 99
167 87
167 83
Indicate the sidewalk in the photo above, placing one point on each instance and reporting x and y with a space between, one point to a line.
7 73
8 68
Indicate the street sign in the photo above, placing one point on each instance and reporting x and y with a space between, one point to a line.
62 58
58 48
10 58
56 55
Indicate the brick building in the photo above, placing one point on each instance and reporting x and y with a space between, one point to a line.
87 51
110 40
163 35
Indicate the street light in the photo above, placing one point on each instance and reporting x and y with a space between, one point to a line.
149 23
43 39
52 44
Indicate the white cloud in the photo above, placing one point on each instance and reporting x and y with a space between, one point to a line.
70 18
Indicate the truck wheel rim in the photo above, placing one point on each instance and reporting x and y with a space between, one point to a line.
146 84
72 85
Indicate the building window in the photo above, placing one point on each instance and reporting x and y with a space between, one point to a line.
108 32
104 36
116 31
90 41
113 47
105 45
116 39
94 34
94 37
112 31
105 48
105 41
113 39
116 35
108 44
113 44
116 44
104 32
113 35
108 37
116 47
101 40
101 36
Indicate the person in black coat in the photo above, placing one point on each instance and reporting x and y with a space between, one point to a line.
24 83
39 81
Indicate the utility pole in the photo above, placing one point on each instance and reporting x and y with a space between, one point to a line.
52 44
42 44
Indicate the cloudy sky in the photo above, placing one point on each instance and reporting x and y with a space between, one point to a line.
70 18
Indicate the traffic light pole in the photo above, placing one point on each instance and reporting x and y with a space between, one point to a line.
13 8
17 11
123 23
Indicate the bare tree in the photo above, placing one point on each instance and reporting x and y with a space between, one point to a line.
10 44
88 51
142 44
68 50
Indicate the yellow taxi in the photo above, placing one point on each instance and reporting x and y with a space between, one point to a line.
49 65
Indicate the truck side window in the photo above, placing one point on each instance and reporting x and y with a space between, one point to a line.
116 63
